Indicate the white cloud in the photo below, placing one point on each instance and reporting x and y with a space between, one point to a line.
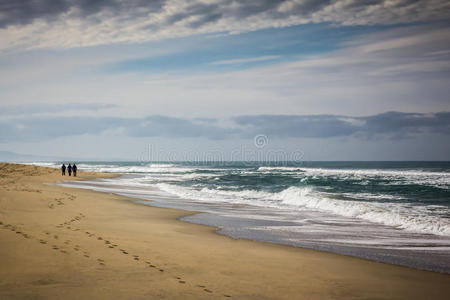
349 81
136 22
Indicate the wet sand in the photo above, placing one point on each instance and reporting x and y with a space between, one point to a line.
63 243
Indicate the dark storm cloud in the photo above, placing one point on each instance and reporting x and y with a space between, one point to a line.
386 125
390 124
22 12
402 124
321 126
205 11
31 24
25 11
211 12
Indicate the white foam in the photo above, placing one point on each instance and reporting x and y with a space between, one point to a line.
149 168
392 177
270 169
414 218
403 216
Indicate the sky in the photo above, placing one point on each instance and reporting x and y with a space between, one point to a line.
226 80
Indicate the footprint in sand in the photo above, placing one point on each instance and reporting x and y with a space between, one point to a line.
182 281
99 238
42 242
228 296
208 291
86 255
55 237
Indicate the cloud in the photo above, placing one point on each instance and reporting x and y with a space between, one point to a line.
65 24
38 108
245 60
23 12
400 69
39 128
390 124
285 126
177 128
404 124
387 125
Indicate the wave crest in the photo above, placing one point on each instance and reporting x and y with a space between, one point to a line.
403 216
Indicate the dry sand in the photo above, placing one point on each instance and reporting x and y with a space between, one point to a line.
63 243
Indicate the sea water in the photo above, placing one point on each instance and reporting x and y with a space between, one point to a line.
395 212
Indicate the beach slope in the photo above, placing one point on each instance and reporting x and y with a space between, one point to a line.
63 243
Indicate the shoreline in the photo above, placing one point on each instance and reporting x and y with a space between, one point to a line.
240 226
165 257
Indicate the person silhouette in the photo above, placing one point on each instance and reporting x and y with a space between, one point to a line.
63 170
74 169
69 170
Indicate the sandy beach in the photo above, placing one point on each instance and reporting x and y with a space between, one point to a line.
63 243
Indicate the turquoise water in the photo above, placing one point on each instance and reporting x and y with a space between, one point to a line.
410 195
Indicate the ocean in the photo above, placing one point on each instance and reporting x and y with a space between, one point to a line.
392 212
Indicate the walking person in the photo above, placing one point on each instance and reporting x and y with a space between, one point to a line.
63 170
74 169
69 169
